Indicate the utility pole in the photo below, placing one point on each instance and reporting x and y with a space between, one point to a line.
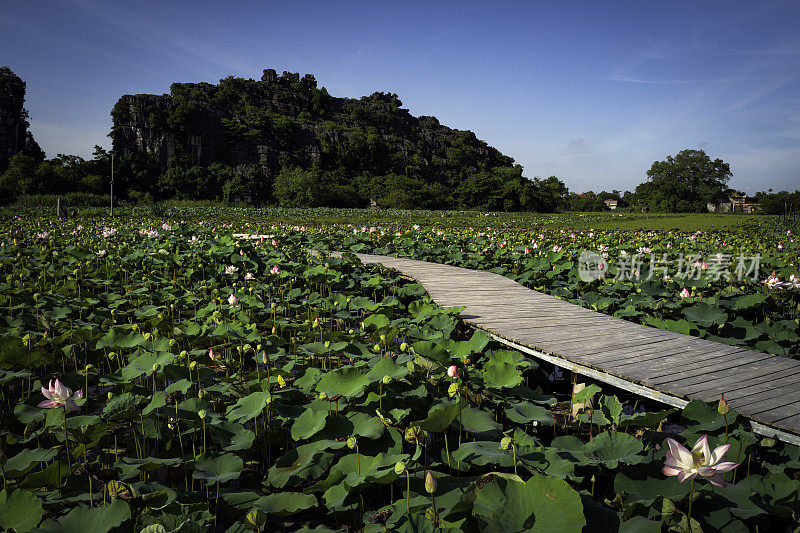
112 183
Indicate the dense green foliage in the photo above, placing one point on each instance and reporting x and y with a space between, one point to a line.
61 175
14 134
686 182
246 385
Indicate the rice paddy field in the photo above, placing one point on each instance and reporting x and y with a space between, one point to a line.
159 374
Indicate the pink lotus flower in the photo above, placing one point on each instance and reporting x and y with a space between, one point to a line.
211 354
276 269
701 460
58 394
453 372
527 250
684 293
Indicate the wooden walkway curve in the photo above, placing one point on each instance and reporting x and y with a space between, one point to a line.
665 366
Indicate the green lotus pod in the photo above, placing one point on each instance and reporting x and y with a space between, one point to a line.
399 468
202 414
505 443
183 354
352 442
156 367
403 347
386 380
322 396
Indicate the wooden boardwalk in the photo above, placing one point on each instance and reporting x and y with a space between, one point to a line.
665 366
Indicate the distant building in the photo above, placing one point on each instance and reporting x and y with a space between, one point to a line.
734 202
611 203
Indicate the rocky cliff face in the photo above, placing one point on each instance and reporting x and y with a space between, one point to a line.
14 134
287 121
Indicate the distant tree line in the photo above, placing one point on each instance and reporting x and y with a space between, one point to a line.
684 183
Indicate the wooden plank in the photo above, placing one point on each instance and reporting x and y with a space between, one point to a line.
698 371
777 407
748 390
697 361
730 382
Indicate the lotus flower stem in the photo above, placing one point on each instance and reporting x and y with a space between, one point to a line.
408 493
66 439
514 450
689 513
447 449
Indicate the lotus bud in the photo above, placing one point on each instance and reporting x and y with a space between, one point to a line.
147 336
156 367
264 357
201 393
352 442
722 406
281 382
430 483
110 395
211 354
399 468
183 354
202 414
453 372
383 337
505 443
192 365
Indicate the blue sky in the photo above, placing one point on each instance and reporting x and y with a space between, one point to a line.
592 92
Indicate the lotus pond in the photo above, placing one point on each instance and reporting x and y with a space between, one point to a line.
161 375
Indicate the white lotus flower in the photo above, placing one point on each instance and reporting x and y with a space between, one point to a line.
58 394
701 460
231 270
